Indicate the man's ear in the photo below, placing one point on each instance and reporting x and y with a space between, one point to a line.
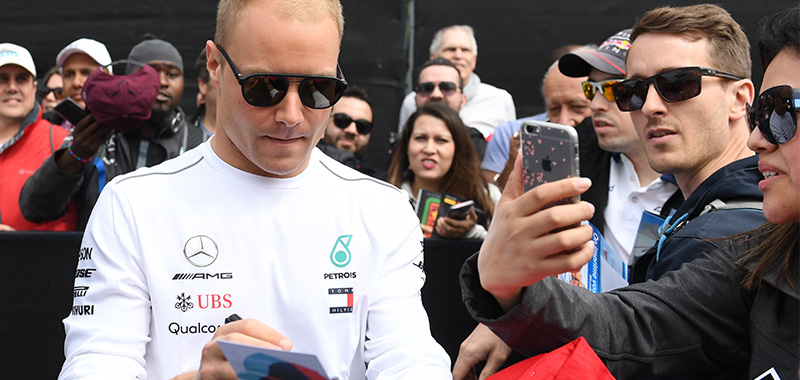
212 62
744 93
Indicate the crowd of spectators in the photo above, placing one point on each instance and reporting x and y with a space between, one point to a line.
669 124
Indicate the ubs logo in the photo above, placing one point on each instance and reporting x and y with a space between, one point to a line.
200 251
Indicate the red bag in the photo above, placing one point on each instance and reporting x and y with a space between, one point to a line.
574 360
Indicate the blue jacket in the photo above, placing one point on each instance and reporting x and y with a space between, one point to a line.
695 233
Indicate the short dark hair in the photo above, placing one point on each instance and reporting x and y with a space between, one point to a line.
200 66
441 62
779 31
359 93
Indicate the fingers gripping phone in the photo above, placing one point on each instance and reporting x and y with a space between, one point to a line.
70 111
549 153
461 211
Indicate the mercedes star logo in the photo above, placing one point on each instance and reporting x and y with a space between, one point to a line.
200 251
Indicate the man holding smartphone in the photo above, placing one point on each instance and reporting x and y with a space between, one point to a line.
95 153
696 133
623 183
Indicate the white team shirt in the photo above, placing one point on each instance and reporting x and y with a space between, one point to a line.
330 258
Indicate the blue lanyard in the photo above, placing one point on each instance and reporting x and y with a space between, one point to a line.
667 229
101 174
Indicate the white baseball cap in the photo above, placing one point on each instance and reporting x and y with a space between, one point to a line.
88 46
11 54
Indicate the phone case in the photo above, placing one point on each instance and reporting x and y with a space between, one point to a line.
549 153
70 111
461 210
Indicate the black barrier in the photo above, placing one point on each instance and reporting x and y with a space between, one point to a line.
38 270
450 321
441 295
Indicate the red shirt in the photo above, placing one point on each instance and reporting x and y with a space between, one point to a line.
18 162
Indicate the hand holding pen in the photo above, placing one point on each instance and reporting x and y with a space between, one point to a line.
213 364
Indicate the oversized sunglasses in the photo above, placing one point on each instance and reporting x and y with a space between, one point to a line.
673 86
775 113
590 88
447 88
57 91
343 120
268 89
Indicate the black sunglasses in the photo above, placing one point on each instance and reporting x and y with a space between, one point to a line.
447 88
268 89
47 90
343 120
673 86
775 113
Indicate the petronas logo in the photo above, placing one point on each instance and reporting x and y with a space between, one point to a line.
340 254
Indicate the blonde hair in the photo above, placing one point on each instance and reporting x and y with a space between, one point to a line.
230 11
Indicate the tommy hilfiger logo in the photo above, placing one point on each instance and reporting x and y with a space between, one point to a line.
341 300
340 254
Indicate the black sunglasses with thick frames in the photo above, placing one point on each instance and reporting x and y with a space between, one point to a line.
268 89
343 120
57 91
775 113
673 86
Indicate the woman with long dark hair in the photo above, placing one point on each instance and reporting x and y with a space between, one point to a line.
435 153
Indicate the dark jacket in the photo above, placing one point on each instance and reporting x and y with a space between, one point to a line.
47 192
737 181
197 133
692 322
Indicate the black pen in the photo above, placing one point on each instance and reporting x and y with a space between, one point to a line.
233 318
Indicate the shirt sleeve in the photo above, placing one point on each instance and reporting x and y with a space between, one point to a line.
399 342
46 194
694 319
107 331
511 112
